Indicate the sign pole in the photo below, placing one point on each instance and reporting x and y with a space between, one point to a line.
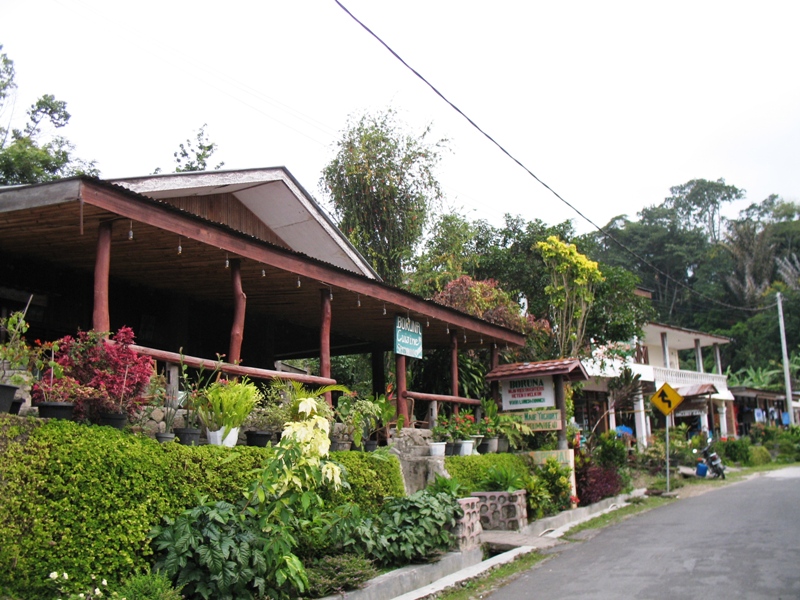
667 452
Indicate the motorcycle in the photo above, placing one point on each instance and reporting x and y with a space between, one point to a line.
711 460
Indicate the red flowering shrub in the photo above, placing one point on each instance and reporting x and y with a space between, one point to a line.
98 376
595 482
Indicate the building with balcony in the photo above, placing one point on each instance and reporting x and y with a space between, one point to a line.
656 358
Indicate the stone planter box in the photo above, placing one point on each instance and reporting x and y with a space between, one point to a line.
505 511
468 528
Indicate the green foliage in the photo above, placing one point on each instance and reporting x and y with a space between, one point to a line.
15 354
759 455
195 156
82 499
735 451
371 480
215 550
382 187
447 485
538 497
416 528
339 573
149 586
556 479
472 470
225 404
500 478
610 451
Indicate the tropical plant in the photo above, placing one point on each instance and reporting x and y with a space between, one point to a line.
192 383
357 415
447 485
226 403
513 430
500 478
15 354
99 375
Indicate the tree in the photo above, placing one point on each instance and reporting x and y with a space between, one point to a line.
699 202
382 186
29 156
194 156
448 254
573 278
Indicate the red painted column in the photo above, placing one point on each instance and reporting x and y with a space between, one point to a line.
325 337
101 319
495 385
454 368
402 404
239 304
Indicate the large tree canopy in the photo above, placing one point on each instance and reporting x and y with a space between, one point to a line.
382 187
27 155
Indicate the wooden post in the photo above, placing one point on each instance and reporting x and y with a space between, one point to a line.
561 404
378 373
325 338
101 319
454 368
239 304
495 385
400 375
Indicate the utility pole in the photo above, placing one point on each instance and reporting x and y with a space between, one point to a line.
786 375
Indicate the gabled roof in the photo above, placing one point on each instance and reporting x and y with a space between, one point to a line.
275 197
680 338
571 368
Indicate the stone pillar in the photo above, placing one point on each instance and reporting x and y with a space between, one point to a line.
698 356
665 349
640 421
723 420
612 416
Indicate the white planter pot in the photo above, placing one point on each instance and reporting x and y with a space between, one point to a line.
437 448
215 437
466 447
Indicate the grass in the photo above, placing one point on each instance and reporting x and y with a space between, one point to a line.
494 579
620 514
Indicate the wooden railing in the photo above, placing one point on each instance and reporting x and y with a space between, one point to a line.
442 398
174 359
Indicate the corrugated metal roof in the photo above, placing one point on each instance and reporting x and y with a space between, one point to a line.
570 367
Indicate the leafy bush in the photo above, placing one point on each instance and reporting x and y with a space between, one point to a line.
472 470
500 478
447 485
540 502
557 481
594 481
149 586
610 451
372 478
337 574
734 451
759 456
82 499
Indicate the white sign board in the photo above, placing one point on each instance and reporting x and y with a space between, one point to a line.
528 392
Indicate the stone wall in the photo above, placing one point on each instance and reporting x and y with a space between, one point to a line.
506 511
468 528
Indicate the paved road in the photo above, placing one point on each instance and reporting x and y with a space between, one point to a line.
739 541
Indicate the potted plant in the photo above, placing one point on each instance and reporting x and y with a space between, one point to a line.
224 406
191 385
15 356
358 415
100 376
266 421
463 428
167 404
386 411
488 427
511 432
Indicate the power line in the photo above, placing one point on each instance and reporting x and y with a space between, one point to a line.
529 172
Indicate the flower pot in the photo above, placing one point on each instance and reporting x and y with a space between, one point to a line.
258 438
56 410
476 441
6 397
488 446
502 444
115 420
16 405
188 436
215 437
466 448
340 445
438 448
165 437
371 445
449 448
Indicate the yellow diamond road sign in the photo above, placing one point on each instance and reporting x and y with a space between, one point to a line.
666 399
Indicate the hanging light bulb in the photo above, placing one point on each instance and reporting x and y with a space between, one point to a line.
482 345
263 272
298 281
330 294
427 323
130 231
180 248
384 308
227 262
448 328
465 338
358 301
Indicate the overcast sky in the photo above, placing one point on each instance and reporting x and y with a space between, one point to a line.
609 103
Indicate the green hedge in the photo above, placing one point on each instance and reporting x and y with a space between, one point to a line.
471 470
82 499
372 479
759 455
